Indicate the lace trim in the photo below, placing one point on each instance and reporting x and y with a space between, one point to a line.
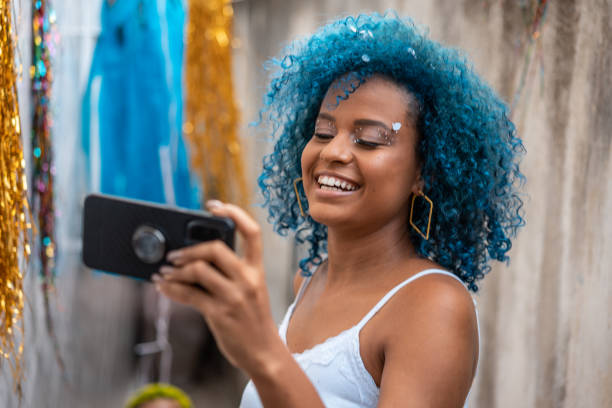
345 355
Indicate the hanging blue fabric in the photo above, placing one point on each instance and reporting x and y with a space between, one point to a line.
139 57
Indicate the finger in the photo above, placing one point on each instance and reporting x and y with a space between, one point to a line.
199 273
214 252
246 225
185 294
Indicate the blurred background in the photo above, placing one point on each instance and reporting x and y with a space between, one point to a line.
190 76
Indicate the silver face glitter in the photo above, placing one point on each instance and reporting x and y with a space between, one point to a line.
396 126
372 136
367 135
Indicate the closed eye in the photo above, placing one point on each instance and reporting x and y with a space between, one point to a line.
323 136
366 144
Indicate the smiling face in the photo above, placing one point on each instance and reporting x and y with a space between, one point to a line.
360 167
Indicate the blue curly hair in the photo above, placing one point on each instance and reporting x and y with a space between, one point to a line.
468 147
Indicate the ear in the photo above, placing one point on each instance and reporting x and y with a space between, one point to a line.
419 183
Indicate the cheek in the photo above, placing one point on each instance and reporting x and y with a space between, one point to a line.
307 158
395 173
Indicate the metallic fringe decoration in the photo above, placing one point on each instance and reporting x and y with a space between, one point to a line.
43 168
14 210
211 116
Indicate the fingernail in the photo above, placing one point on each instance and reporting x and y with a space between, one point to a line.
166 270
156 278
173 256
214 204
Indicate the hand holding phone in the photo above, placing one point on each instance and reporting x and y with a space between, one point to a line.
132 238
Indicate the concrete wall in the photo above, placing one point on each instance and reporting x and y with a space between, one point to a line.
546 325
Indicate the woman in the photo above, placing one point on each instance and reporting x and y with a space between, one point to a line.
408 163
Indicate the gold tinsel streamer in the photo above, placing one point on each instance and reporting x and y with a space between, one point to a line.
211 116
14 213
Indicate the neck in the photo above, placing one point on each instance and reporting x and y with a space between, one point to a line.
362 255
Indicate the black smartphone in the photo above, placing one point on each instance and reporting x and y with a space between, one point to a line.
132 238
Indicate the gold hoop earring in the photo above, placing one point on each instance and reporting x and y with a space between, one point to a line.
426 234
297 195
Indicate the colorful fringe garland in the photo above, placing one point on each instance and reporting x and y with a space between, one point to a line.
211 116
43 168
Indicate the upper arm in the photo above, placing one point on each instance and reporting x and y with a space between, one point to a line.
431 352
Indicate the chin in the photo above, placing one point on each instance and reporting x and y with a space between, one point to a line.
330 218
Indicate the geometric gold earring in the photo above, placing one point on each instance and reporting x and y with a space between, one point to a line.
426 234
297 195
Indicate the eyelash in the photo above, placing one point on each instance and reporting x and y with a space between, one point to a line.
360 142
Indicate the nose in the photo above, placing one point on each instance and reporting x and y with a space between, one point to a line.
338 149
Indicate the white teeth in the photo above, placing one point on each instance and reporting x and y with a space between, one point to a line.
334 184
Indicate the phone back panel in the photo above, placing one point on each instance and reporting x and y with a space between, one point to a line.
109 224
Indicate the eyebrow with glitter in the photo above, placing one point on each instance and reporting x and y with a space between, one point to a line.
358 122
370 122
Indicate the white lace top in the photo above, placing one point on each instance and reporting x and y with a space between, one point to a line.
335 367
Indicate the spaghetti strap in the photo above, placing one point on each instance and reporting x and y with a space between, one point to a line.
302 289
282 328
393 291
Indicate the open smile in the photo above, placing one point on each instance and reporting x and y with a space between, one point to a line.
336 184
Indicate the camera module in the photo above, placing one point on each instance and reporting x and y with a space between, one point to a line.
149 244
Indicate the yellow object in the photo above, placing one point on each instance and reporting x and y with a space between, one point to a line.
14 209
211 116
297 195
414 196
152 392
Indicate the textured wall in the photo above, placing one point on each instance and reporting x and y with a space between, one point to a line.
546 325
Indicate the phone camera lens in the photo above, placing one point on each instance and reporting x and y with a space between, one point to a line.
149 244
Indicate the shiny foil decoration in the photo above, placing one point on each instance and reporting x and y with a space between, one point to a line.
14 213
43 20
43 167
211 116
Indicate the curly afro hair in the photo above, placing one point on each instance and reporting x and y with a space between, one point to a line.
468 147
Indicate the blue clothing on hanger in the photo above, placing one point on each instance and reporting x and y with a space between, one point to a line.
139 58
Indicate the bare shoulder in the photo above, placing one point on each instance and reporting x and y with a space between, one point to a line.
430 343
431 302
441 295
